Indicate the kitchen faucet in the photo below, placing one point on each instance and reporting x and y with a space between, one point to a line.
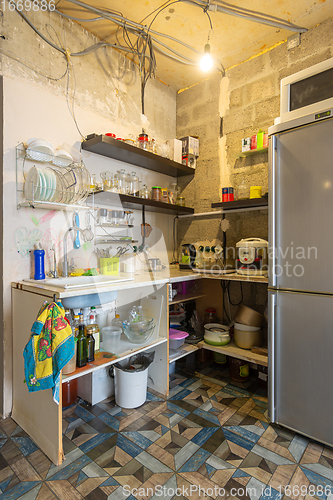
65 264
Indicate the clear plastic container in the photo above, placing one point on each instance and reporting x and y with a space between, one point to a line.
173 193
243 191
111 338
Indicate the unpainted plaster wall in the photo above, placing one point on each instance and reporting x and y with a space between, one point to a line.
105 89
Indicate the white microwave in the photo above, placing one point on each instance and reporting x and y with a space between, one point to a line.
306 92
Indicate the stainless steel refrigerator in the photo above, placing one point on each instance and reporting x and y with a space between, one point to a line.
301 276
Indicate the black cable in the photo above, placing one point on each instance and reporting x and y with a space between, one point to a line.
224 287
174 257
228 292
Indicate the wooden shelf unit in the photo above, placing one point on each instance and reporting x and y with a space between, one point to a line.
119 150
253 203
236 352
126 201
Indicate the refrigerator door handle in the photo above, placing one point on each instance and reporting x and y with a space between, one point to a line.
271 357
272 212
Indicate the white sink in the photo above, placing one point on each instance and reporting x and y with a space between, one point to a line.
80 281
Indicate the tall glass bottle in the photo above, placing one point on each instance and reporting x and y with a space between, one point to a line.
94 328
90 344
76 325
81 350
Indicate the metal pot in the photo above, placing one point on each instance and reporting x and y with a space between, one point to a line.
216 334
246 339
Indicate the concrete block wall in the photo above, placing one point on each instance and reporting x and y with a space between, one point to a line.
246 99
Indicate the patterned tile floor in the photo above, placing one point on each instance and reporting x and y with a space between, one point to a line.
210 433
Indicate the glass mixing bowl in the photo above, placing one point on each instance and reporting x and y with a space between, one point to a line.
139 332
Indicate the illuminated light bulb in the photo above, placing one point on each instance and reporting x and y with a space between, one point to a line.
206 61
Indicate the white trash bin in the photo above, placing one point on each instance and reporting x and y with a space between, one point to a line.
130 388
131 380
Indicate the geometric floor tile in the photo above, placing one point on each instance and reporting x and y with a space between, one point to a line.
210 433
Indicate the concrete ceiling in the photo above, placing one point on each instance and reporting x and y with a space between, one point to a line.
232 40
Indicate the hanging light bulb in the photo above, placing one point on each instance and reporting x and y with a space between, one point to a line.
206 61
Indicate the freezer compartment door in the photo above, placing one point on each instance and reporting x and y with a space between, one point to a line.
301 208
300 361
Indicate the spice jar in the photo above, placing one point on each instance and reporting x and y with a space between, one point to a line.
165 195
210 316
143 141
180 201
156 193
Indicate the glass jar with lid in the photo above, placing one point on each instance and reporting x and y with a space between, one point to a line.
210 315
122 181
143 142
156 193
144 193
133 184
180 201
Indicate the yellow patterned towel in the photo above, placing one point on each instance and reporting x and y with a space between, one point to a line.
49 349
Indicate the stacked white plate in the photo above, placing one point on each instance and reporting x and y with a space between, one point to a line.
58 184
40 184
39 150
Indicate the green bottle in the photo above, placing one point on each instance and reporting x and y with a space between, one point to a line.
81 353
90 344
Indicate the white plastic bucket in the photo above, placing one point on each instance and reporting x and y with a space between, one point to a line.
130 388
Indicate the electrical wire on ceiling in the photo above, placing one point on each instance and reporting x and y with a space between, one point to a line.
146 41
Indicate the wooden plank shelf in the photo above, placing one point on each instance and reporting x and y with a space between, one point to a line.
119 150
183 351
236 352
134 203
243 204
253 152
185 298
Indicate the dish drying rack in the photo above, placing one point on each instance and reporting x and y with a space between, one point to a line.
26 155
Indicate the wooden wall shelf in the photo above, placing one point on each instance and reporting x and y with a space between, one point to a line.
119 150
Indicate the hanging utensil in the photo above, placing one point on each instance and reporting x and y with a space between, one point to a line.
89 235
76 223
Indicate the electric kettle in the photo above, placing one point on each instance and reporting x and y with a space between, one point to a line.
187 256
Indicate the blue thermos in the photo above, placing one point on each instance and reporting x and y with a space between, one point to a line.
39 256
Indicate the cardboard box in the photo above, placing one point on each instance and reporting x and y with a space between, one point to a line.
96 386
175 150
246 144
190 146
189 161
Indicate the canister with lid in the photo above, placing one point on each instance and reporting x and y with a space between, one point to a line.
156 193
143 141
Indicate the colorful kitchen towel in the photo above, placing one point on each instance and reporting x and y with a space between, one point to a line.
49 349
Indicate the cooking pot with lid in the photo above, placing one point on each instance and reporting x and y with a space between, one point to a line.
216 334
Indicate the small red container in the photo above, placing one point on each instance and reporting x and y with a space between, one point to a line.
69 393
253 142
227 194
